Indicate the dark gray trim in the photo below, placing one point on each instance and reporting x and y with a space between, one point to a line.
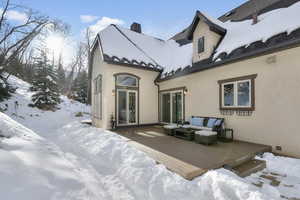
148 67
212 26
252 78
173 89
183 89
198 67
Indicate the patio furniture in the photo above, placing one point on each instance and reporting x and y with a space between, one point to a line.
226 135
169 129
206 123
206 137
184 133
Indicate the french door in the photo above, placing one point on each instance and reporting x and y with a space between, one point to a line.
172 107
126 107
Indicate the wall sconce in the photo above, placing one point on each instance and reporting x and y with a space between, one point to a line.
113 92
185 91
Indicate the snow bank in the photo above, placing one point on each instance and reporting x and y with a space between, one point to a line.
91 163
48 121
32 168
270 24
282 165
131 174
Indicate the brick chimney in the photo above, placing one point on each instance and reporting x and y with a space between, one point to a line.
136 27
254 18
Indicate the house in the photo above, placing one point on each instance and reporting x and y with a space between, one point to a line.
244 67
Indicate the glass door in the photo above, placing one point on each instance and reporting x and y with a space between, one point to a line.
166 108
172 107
176 107
132 113
122 107
127 107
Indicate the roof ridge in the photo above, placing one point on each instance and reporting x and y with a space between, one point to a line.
134 44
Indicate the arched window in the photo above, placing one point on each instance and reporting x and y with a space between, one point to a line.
127 80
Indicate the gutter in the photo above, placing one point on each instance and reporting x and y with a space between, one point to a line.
260 52
158 89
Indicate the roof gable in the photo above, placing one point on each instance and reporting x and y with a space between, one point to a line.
123 45
214 25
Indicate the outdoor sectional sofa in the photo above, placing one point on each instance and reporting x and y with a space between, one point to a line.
206 129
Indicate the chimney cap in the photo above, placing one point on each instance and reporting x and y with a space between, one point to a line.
136 27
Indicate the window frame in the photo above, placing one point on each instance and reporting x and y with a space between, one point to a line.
235 82
98 95
131 76
203 45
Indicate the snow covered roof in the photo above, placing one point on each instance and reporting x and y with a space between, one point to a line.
244 33
126 45
123 46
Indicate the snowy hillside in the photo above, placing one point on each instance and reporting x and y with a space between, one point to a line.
60 158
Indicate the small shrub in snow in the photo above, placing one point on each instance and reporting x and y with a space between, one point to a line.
79 114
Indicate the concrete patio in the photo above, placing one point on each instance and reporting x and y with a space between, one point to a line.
187 158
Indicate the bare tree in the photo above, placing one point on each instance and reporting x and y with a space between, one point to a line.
15 38
88 42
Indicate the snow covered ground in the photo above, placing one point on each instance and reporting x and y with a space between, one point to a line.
60 158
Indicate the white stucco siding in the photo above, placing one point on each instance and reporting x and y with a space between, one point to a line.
277 99
211 40
148 92
98 69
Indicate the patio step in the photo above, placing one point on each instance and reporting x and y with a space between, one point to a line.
249 167
240 161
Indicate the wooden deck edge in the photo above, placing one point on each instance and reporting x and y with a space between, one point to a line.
184 169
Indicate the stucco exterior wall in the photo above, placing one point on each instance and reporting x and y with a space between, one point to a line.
275 120
148 92
98 68
211 39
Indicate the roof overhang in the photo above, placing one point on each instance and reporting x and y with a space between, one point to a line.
212 26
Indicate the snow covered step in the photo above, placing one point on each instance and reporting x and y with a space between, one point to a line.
249 167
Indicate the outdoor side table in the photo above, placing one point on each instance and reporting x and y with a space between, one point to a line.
226 135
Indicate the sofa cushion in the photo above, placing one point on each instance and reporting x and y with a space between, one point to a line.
186 126
196 121
218 122
201 128
206 133
211 122
170 126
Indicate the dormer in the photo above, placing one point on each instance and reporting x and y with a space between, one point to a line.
205 33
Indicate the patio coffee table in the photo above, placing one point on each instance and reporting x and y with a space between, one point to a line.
184 133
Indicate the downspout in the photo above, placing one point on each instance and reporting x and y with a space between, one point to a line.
158 89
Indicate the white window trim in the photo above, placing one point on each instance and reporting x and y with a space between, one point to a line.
235 94
127 107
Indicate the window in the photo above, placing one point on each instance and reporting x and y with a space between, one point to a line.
127 80
201 45
171 106
98 84
237 93
98 96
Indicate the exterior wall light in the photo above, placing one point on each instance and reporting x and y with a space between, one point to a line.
185 91
113 92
